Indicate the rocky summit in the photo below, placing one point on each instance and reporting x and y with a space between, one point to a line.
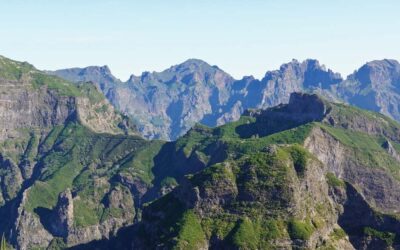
296 171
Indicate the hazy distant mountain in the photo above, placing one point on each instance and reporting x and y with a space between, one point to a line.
375 86
101 76
166 104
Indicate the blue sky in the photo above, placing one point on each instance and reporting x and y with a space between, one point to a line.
241 37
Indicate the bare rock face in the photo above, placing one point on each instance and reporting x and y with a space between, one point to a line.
294 77
77 236
120 199
101 117
310 106
63 215
29 231
22 108
301 109
10 179
391 150
380 189
119 206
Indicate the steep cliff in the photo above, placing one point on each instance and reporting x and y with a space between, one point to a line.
61 145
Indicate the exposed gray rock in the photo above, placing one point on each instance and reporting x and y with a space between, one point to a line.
29 231
63 215
10 179
378 187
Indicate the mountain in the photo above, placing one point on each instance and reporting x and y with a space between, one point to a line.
167 104
310 174
100 76
61 143
375 86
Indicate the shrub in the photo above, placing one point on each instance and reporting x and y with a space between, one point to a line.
388 237
299 157
333 181
247 235
300 230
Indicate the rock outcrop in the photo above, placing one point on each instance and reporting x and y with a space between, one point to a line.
63 215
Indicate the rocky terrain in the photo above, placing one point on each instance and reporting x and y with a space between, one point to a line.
309 174
167 104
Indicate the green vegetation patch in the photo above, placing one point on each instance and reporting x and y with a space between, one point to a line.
247 235
229 130
63 87
333 181
142 163
13 70
77 158
338 234
299 157
388 237
219 225
86 214
191 234
301 230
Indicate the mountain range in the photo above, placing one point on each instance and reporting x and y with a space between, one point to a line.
165 105
311 172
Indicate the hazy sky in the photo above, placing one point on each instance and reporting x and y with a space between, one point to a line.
241 37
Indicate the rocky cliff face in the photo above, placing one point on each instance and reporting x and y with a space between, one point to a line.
53 136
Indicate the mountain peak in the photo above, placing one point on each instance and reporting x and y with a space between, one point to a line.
194 61
14 70
383 63
311 71
381 72
101 76
192 65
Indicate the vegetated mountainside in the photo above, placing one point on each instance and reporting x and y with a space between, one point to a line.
64 153
307 175
167 104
